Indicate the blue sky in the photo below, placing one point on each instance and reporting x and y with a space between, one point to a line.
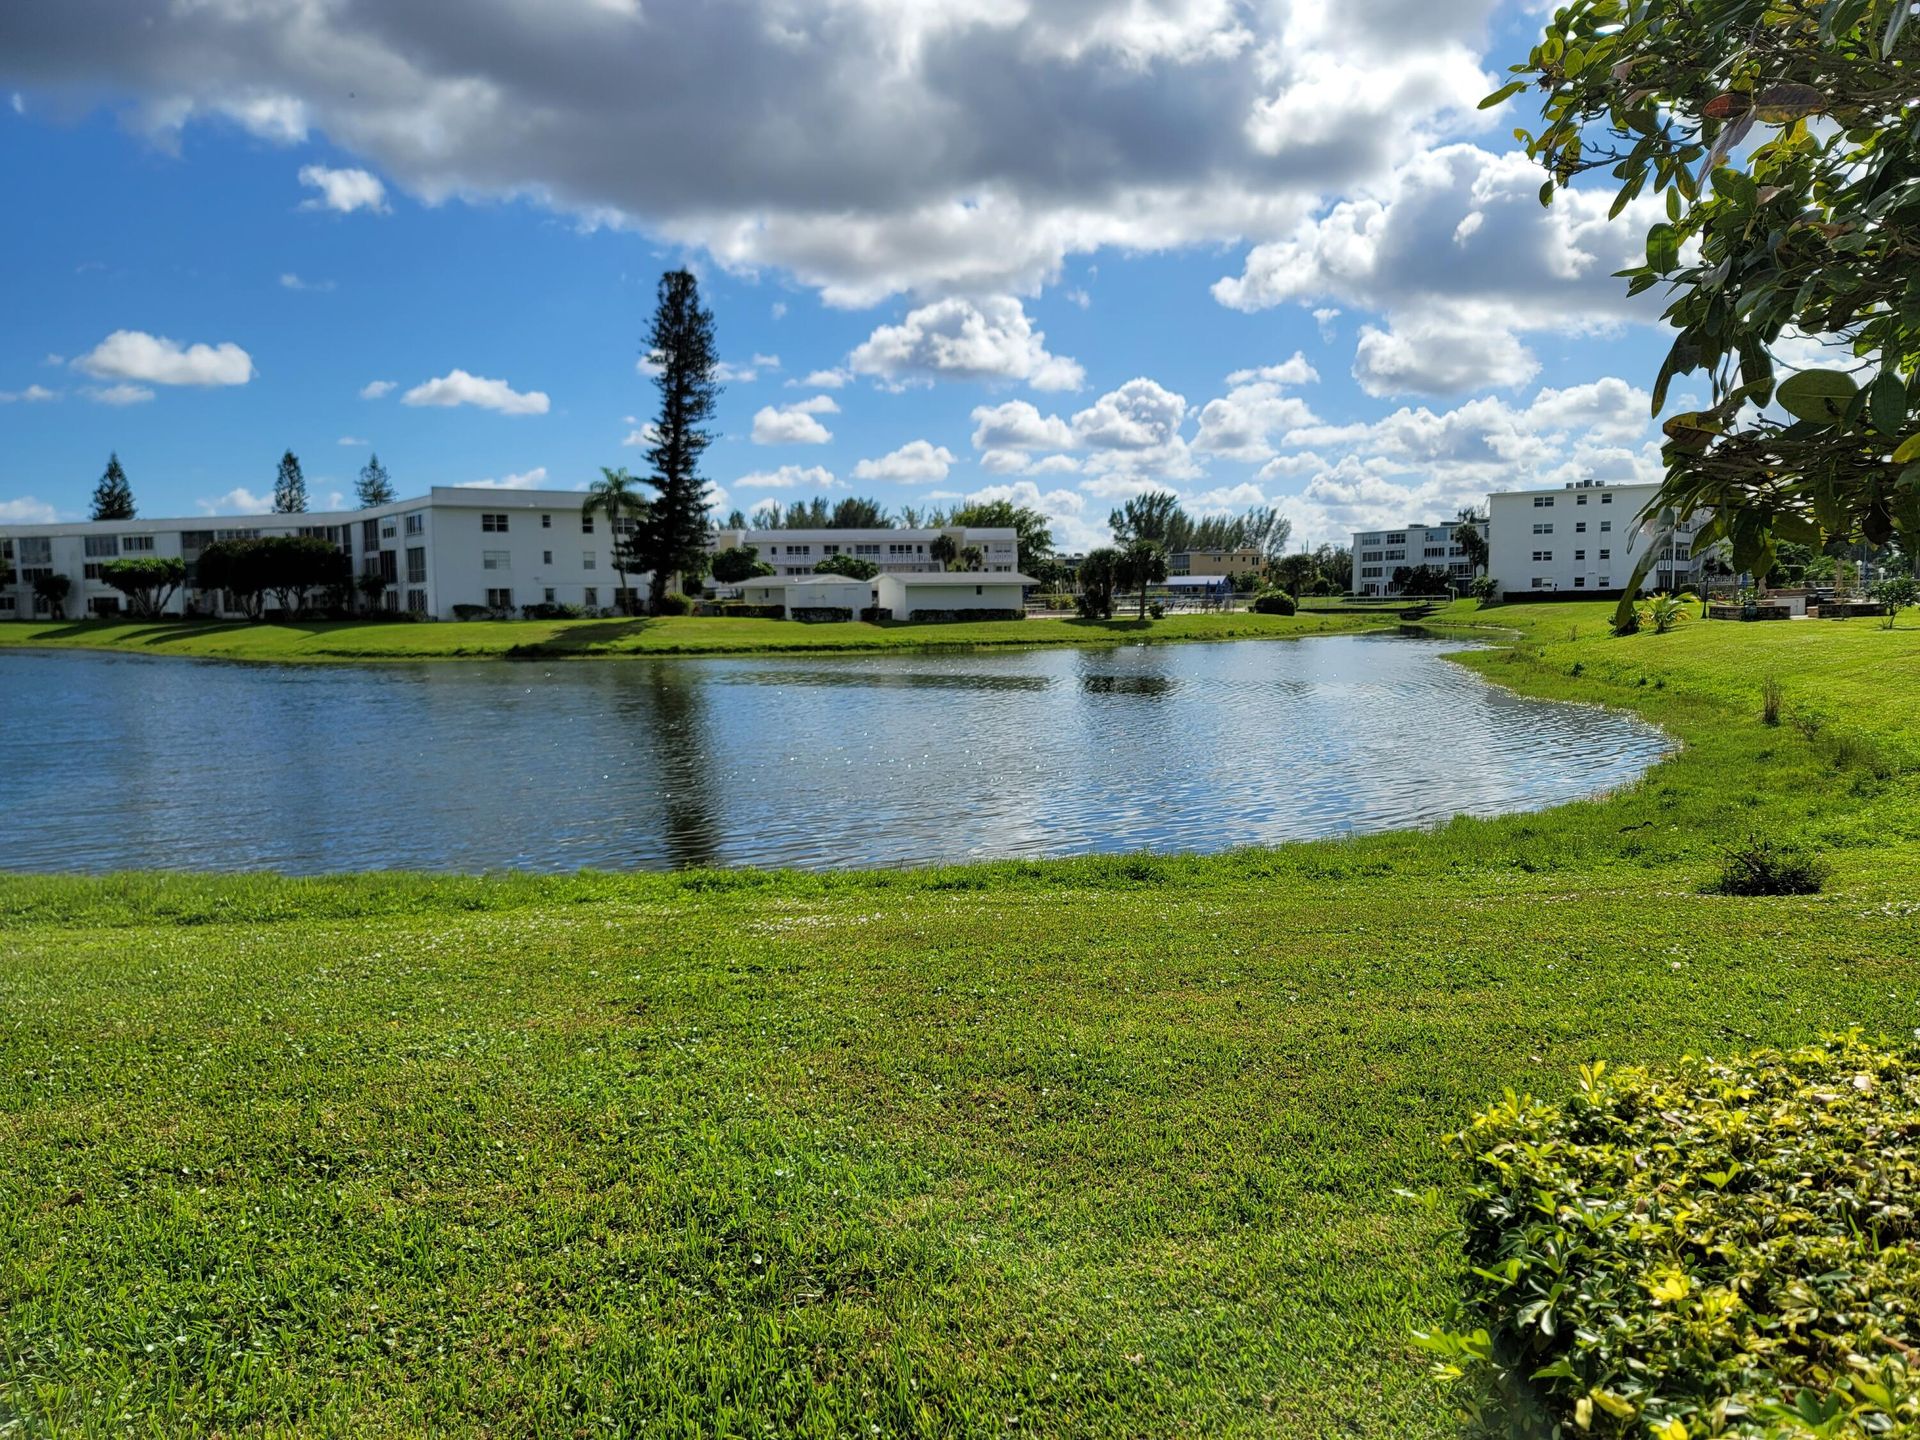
1120 276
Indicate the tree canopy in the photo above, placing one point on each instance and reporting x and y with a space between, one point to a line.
113 496
852 566
672 538
148 581
374 487
738 563
289 487
1158 515
1780 134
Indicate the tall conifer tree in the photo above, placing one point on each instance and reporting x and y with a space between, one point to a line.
673 538
374 487
113 496
289 487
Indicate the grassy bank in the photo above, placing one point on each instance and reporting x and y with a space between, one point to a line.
1100 1147
359 640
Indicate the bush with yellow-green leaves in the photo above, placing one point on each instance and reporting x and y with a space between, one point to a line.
1727 1248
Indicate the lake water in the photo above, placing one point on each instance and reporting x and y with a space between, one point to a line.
117 761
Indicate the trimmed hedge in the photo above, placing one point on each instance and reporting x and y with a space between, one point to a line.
1274 602
950 617
876 614
819 614
1725 1249
740 610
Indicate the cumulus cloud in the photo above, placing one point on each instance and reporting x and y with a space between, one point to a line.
376 389
32 395
343 191
918 462
1240 424
290 281
1456 251
351 440
732 374
534 479
134 355
789 477
27 511
794 424
118 394
821 380
641 436
1018 425
237 501
957 339
457 387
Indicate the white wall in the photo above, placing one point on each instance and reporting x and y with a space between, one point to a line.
902 596
1581 538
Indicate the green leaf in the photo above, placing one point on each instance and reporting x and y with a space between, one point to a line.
1908 451
1504 93
1887 404
1896 22
1818 395
1663 247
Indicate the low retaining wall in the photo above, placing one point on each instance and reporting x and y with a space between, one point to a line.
1847 609
1757 612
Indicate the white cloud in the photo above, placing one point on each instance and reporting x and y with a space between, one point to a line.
32 395
1141 415
534 479
27 511
237 501
457 387
1018 425
641 436
918 462
19 102
821 380
343 191
376 389
118 394
156 360
1066 512
789 477
1025 462
729 374
1324 318
1240 425
1457 252
957 339
779 309
794 424
291 281
351 440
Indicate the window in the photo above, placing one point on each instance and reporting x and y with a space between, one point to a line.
799 549
136 544
492 523
586 560
1396 554
1683 552
1604 582
547 594
1436 552
1606 554
416 565
1543 555
496 559
389 563
35 550
1369 572
104 604
1579 554
417 601
1370 554
499 599
1579 527
416 523
978 590
1606 526
831 549
1546 529
387 530
1543 502
586 524
6 603
1399 539
1579 582
1539 582
546 522
30 573
1579 499
99 546
1606 499
546 557
866 550
92 571
590 597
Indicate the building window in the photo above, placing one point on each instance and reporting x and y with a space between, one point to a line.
35 550
389 567
91 571
493 523
590 597
1580 527
136 544
978 591
1539 582
1546 529
1435 552
586 560
546 557
369 534
6 603
799 549
1606 499
387 530
1606 526
547 594
1579 554
1579 582
1399 539
496 560
102 546
586 524
416 523
417 601
1543 502
866 550
1606 554
1542 556
104 604
1579 499
499 599
416 565
546 522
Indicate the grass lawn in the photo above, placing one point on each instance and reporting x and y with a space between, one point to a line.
360 640
1105 1147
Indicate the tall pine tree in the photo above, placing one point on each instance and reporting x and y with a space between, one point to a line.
673 538
113 496
289 487
374 487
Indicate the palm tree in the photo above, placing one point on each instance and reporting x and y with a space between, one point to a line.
615 496
1142 563
944 551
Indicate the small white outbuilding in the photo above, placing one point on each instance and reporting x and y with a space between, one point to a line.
809 592
953 590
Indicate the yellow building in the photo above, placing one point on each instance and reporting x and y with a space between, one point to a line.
1212 562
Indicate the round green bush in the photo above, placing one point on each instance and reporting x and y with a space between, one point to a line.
1274 602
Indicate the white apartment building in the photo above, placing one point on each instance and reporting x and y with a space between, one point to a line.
895 552
1378 553
455 546
1586 537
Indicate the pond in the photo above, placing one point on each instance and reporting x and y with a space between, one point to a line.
118 761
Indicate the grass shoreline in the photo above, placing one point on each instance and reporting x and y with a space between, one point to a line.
1101 1146
352 642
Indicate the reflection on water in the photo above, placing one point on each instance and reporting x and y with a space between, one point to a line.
899 759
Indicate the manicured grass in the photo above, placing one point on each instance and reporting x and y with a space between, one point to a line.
681 635
1114 1146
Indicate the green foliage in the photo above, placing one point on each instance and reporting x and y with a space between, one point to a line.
289 487
944 550
673 603
1142 563
1663 612
1484 588
616 497
237 567
1158 515
148 581
1033 532
852 566
738 563
1770 867
113 496
374 486
672 536
1274 602
1422 580
1098 577
1812 231
1722 1248
1470 538
294 567
51 590
1896 591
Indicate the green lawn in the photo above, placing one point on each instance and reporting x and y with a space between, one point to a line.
361 640
1102 1147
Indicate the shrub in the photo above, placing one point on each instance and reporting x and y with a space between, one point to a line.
740 610
1157 610
1273 602
949 617
1483 589
1663 612
545 611
819 614
1724 1249
1770 701
1768 867
476 612
876 614
672 604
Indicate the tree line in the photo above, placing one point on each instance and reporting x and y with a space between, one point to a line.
113 492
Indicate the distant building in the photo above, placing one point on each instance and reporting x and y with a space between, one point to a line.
796 552
1586 537
1213 562
1377 554
454 546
